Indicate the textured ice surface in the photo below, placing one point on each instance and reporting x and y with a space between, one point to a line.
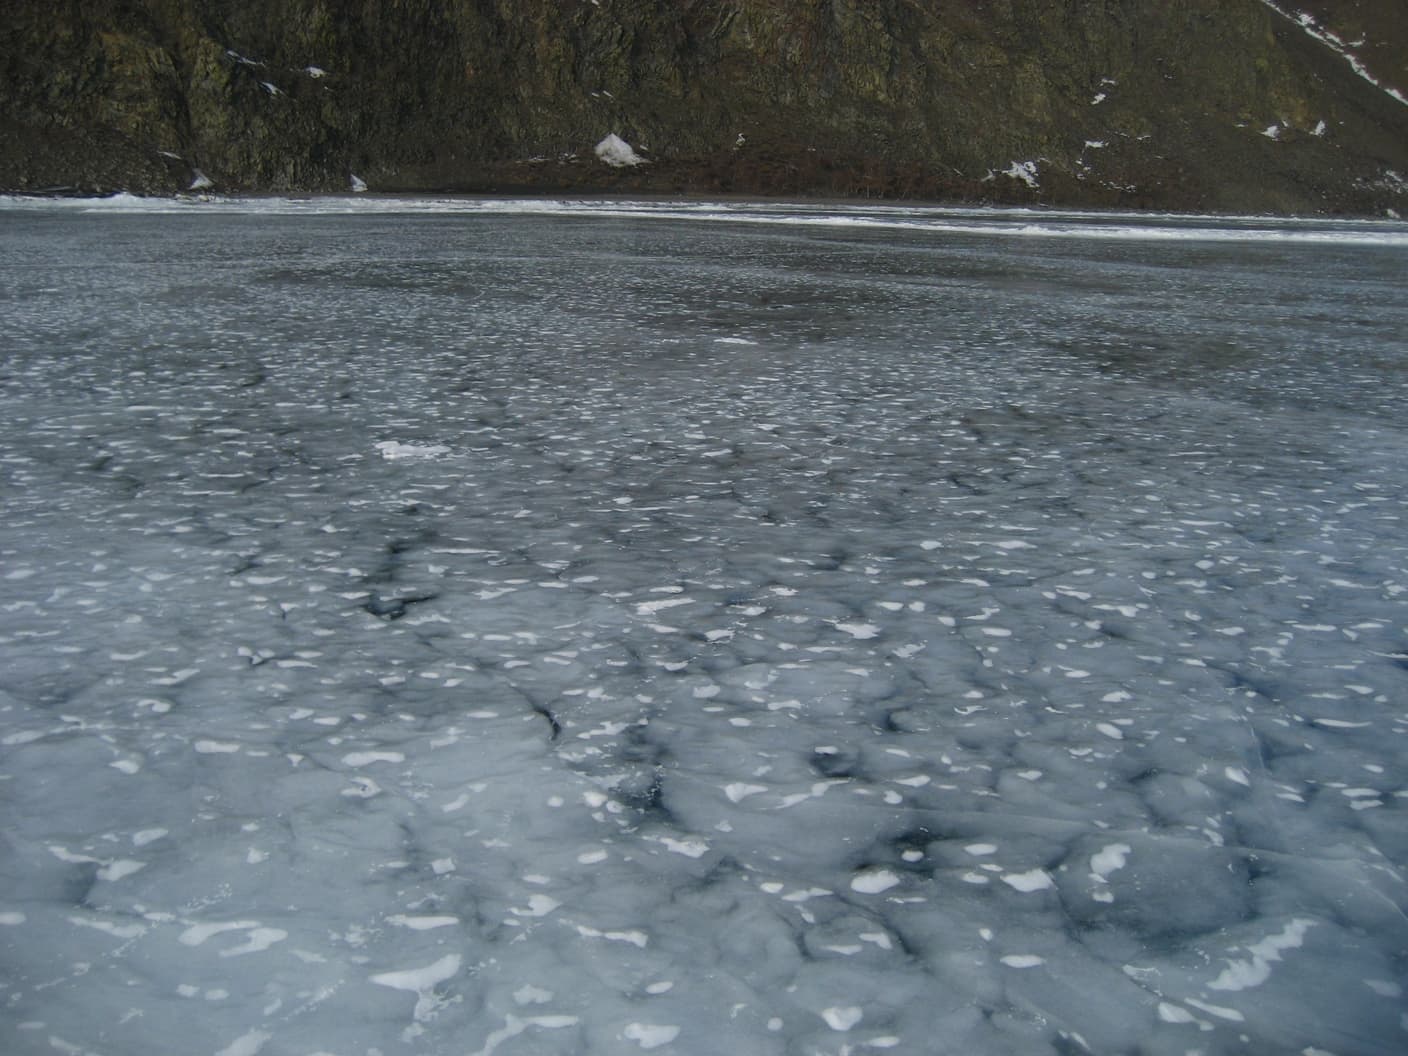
466 631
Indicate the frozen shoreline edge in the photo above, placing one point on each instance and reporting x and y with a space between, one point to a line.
948 219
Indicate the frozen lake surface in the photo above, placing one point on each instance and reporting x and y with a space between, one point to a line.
551 628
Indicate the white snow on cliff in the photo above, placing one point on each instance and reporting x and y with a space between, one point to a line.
1026 171
1307 22
616 152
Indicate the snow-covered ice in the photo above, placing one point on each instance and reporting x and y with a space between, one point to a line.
446 627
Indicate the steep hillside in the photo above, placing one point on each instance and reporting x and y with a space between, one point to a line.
1194 104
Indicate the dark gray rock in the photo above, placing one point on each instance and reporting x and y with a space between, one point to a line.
1188 104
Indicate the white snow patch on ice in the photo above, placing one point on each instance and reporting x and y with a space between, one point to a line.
1111 858
216 747
1023 960
513 1026
23 737
633 937
690 847
648 608
421 982
117 931
528 994
859 631
650 1036
538 906
258 940
842 1017
197 934
1171 1013
394 449
874 881
422 923
1035 880
247 1044
116 870
1255 970
1230 1014
360 759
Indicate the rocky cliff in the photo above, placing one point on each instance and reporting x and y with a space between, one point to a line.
1188 104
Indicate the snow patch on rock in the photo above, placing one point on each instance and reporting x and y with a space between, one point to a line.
616 152
1026 171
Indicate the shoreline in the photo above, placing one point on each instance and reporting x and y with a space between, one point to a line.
857 217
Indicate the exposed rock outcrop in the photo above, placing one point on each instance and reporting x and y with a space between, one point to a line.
1189 104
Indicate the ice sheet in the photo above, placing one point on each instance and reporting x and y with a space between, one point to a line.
531 630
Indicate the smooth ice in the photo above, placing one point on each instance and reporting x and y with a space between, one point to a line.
555 628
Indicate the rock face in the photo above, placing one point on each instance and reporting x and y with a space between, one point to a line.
1188 104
